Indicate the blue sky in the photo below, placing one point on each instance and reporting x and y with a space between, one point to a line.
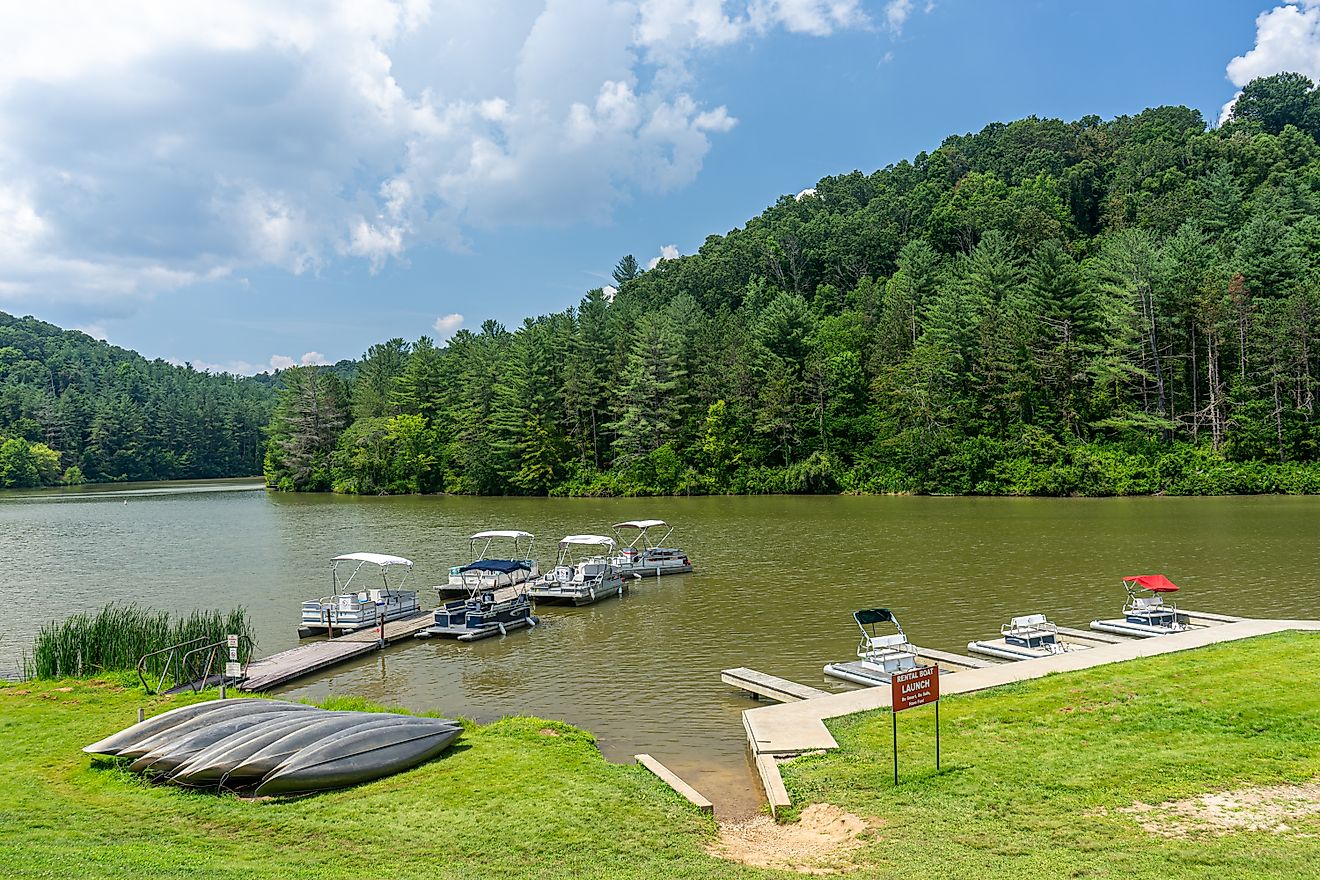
257 184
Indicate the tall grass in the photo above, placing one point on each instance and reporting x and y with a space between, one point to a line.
117 636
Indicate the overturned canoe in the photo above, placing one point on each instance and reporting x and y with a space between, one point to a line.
235 709
360 756
213 763
156 724
261 763
171 752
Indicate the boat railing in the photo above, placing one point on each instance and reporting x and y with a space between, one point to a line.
192 665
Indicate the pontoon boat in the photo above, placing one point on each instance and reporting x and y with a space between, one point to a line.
591 577
1025 638
878 656
348 609
516 568
642 557
487 611
1145 613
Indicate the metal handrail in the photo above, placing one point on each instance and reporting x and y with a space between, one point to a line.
199 681
179 659
171 660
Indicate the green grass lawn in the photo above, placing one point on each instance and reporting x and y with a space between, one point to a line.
1034 775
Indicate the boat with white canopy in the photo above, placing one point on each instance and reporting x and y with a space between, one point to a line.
643 557
353 605
487 611
591 577
492 571
1025 638
879 657
1145 613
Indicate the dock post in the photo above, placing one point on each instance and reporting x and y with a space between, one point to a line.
141 714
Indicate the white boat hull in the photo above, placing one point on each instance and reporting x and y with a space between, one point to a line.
1123 627
1002 650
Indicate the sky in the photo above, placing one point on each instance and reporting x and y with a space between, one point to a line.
254 184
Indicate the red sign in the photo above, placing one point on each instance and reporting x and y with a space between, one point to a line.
916 687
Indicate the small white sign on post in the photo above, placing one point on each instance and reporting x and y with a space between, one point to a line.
233 670
233 653
232 641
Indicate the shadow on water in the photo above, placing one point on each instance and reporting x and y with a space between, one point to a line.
777 581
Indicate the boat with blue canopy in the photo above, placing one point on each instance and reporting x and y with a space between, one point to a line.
494 571
487 611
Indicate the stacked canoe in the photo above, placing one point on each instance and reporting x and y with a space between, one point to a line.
272 747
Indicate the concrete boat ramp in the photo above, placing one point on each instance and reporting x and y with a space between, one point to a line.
792 728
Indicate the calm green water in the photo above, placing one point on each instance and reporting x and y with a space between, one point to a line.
777 581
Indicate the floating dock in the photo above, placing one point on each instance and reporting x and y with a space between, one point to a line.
948 658
312 656
760 684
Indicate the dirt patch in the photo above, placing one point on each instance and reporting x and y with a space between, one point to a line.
548 731
1277 809
818 843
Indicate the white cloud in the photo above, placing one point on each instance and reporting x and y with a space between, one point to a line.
1287 39
896 14
148 145
668 252
310 359
96 331
447 325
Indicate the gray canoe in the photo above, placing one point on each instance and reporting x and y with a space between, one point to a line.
209 765
178 732
262 762
156 724
173 752
360 756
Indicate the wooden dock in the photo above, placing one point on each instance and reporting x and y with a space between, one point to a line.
672 779
760 684
316 654
1206 616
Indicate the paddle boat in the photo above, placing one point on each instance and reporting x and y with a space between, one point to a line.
493 572
643 558
1025 638
879 657
1145 613
348 609
487 611
593 576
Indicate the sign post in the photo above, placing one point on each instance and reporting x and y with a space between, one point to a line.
907 690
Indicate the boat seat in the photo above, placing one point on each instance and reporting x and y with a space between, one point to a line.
1027 621
893 641
1146 603
505 594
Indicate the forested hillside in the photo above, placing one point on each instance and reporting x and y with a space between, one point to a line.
1044 307
73 409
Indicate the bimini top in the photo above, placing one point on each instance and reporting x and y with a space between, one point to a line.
502 566
1156 583
587 539
641 524
874 615
381 559
500 533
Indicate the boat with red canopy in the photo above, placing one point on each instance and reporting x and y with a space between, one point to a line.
1146 613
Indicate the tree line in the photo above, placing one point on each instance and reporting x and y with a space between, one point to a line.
1042 307
74 409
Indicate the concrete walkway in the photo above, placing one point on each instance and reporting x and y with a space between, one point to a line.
794 728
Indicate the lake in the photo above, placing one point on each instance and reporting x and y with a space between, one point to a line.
777 581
